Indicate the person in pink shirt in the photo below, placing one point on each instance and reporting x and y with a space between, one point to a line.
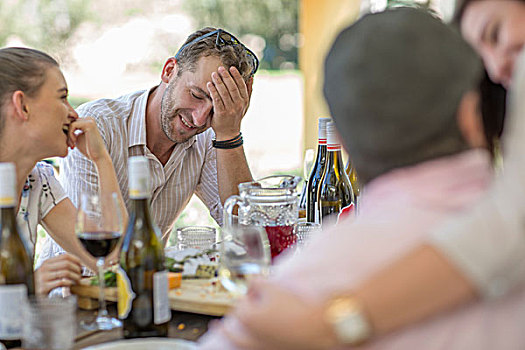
407 108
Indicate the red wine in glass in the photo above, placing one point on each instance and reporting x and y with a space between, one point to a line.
280 238
99 244
98 228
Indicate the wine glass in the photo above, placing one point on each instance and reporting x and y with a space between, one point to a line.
99 227
309 159
244 254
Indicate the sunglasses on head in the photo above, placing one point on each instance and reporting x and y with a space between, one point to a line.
224 38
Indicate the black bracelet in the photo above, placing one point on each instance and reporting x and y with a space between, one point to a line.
237 141
238 137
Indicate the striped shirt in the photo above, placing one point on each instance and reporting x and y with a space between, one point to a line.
191 168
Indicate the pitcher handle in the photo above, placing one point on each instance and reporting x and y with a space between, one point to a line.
228 210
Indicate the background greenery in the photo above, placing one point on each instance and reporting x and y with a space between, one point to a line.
274 20
43 24
49 25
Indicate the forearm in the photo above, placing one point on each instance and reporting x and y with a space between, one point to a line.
421 284
60 224
108 183
232 169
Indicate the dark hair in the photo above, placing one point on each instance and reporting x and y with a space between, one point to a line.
461 5
22 69
493 96
493 106
230 55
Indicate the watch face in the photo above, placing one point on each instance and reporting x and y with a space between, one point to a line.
355 327
348 320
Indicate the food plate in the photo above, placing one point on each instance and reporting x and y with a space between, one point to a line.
146 343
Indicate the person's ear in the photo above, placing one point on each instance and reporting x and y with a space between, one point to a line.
20 106
470 120
169 70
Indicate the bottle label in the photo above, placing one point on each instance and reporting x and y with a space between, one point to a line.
345 212
125 294
161 304
13 299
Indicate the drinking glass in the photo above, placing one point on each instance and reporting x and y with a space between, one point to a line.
50 323
309 159
244 254
99 227
198 237
305 231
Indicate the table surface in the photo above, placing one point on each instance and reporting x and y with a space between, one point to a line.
183 325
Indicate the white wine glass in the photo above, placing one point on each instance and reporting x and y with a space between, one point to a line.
99 228
309 159
244 255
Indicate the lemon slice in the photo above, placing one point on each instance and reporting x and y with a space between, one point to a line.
125 293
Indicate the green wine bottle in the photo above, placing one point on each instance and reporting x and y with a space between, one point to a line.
142 279
16 263
354 180
335 191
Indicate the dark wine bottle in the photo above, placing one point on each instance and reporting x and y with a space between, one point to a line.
312 209
335 191
142 279
16 263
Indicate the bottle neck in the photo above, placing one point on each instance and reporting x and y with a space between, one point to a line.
334 159
7 217
321 134
139 218
140 206
321 154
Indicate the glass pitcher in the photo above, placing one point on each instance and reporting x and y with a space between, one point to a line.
270 202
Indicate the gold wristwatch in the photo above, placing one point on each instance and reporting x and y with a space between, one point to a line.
347 317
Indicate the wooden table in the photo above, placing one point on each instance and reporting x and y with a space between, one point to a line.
183 325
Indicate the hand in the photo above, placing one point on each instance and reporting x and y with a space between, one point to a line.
231 98
276 318
60 271
88 141
112 258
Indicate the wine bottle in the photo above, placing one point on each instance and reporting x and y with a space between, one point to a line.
354 180
312 209
335 193
142 279
16 264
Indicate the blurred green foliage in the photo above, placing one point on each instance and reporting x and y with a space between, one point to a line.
76 101
276 21
43 24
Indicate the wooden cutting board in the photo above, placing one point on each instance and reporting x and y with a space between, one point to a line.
200 296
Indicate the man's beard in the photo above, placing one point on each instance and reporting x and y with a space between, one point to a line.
165 119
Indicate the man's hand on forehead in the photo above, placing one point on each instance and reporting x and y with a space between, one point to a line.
230 99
